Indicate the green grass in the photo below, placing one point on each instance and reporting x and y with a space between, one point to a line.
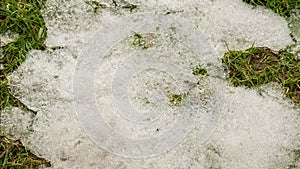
8 99
14 155
176 99
22 17
199 71
261 65
281 7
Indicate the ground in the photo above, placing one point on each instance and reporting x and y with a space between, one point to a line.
121 89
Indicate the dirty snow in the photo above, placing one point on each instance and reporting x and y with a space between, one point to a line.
230 128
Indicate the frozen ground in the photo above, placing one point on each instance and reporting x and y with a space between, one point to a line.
103 102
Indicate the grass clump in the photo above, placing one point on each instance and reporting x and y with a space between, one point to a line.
7 99
22 17
281 7
14 155
261 65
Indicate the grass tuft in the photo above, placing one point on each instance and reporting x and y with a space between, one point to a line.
6 99
261 65
14 155
176 99
281 7
24 18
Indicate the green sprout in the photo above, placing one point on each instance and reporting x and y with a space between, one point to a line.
176 99
199 71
